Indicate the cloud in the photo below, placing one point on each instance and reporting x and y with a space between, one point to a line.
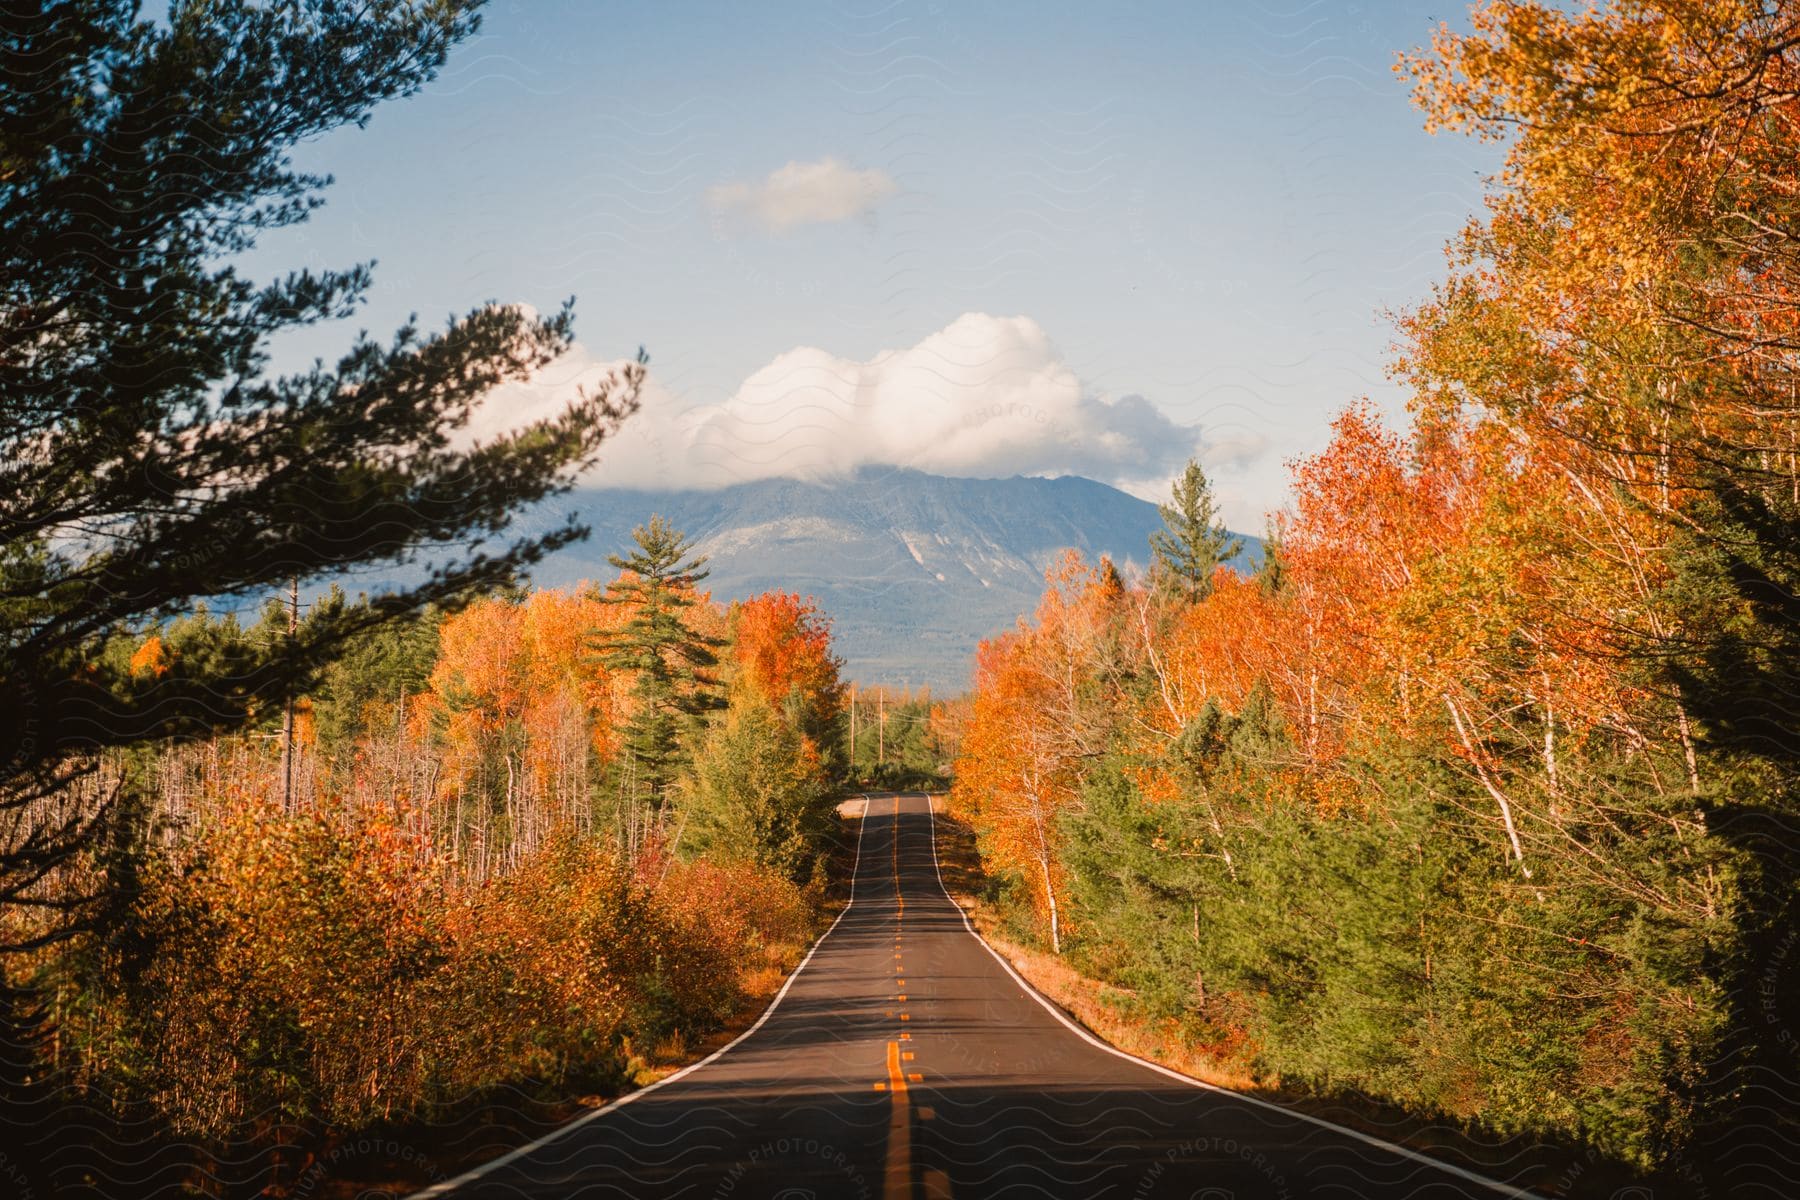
805 193
986 396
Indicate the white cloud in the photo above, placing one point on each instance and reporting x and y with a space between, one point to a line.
805 193
986 396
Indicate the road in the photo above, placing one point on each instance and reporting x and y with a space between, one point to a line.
904 1061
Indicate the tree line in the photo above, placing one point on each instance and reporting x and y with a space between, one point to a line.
1479 795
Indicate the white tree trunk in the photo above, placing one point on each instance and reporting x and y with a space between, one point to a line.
1506 816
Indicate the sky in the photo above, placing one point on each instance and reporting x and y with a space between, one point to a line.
980 239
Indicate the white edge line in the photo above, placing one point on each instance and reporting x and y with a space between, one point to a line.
474 1173
1049 1006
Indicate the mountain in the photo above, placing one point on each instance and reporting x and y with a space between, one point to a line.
914 569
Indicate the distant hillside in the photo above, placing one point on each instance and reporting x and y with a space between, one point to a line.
915 569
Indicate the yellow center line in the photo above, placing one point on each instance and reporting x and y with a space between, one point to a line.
897 1180
899 900
896 1077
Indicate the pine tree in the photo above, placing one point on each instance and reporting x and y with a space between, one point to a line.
667 659
1194 541
147 455
1271 571
761 793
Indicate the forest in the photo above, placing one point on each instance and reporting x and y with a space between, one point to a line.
1480 795
547 841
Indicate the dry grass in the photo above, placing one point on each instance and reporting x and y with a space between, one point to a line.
1097 1007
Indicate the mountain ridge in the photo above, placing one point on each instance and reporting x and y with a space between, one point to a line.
914 569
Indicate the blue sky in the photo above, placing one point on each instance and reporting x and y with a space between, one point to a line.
1207 206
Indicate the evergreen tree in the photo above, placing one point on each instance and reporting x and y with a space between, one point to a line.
387 666
760 793
1194 541
1271 572
896 745
146 455
667 659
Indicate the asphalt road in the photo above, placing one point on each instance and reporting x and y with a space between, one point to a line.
905 1060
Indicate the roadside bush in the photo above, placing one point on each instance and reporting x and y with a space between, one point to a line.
327 966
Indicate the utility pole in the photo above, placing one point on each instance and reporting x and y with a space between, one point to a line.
881 736
853 731
287 723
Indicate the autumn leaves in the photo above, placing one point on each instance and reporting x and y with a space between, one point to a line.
479 882
1455 800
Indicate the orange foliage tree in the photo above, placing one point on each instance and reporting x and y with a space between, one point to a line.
1038 716
781 649
523 717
